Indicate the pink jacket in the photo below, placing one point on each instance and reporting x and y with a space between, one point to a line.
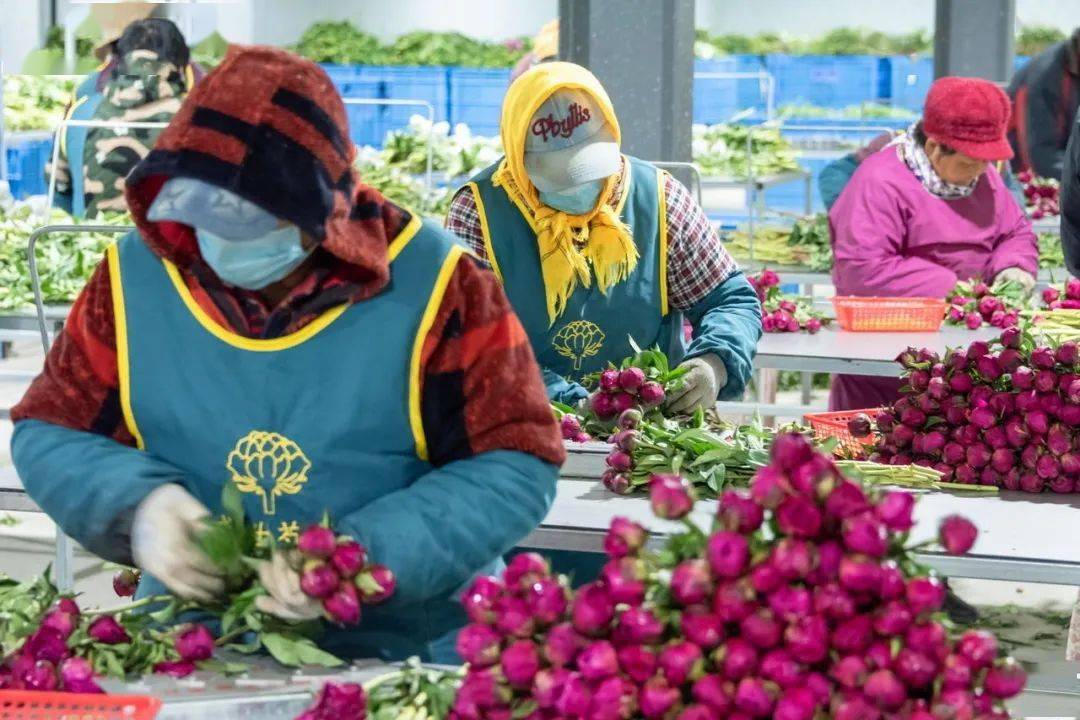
892 238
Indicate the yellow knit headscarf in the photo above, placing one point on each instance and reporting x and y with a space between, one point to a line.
572 247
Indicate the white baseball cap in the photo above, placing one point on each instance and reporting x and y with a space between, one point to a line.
569 142
200 204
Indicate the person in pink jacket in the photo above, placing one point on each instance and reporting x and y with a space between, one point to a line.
929 210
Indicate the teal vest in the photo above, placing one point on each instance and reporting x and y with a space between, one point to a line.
595 328
325 419
87 99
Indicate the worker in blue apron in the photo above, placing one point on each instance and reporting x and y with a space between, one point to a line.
250 198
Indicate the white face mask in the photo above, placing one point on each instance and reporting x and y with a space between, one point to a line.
576 200
254 263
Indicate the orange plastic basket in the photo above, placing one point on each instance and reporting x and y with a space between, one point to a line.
871 314
834 425
29 705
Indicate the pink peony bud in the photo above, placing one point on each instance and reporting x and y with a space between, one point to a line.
737 512
520 662
765 577
348 559
319 579
656 699
624 537
849 672
609 380
956 673
637 662
709 690
125 582
343 606
41 677
978 647
575 698
791 602
853 707
603 404
796 704
734 600
928 638
317 541
631 379
762 629
629 420
845 500
652 394
728 554
175 668
854 635
613 699
592 610
807 639
893 619
791 450
513 618
1005 680
769 487
865 534
701 627
376 584
524 570
619 461
478 645
479 599
691 582
194 642
916 670
570 426
798 516
638 626
671 496
885 690
895 510
548 685
957 534
77 676
736 658
625 580
107 630
339 700
925 595
697 712
562 644
680 662
46 643
597 661
59 621
860 574
833 602
547 600
755 698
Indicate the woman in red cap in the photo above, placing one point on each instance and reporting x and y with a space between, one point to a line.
929 210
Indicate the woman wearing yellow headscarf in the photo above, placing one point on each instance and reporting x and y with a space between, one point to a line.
595 248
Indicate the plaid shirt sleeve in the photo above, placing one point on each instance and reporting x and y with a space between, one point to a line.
697 261
463 219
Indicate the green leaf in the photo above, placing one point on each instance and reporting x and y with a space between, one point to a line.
311 654
525 709
282 649
232 500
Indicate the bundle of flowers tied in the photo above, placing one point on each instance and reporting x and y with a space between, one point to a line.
800 599
50 642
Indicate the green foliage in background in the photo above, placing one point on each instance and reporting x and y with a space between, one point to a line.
1033 39
35 102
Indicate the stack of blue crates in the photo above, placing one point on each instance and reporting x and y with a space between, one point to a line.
908 80
824 80
476 96
26 159
423 84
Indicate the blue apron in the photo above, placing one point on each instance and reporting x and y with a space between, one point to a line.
73 142
319 420
595 328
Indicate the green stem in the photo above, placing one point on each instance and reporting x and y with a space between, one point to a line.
230 636
130 606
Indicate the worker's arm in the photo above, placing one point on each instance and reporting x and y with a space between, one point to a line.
1043 115
705 283
70 446
868 259
1070 202
494 446
834 176
463 220
1017 246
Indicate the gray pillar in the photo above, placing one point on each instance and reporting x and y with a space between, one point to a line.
643 53
974 38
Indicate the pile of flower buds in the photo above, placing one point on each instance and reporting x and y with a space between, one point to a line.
1003 414
336 572
785 313
1065 296
570 425
975 303
799 603
337 701
621 390
1041 195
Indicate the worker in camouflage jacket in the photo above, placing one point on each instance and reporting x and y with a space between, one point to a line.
147 84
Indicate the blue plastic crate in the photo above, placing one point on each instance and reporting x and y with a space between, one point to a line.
909 80
791 196
1020 61
340 74
26 159
428 84
476 97
825 80
366 122
717 100
848 130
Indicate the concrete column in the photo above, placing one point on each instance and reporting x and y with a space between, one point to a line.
643 53
974 38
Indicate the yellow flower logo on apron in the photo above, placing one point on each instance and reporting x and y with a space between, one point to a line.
578 340
268 465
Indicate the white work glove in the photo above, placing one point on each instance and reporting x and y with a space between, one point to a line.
280 575
1017 275
163 543
707 376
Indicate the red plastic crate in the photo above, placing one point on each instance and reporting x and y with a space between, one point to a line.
872 314
29 705
834 425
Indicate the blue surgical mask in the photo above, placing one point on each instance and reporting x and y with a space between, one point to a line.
256 262
576 200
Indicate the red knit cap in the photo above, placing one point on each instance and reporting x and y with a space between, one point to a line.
969 115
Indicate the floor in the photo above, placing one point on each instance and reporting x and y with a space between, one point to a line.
1030 619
